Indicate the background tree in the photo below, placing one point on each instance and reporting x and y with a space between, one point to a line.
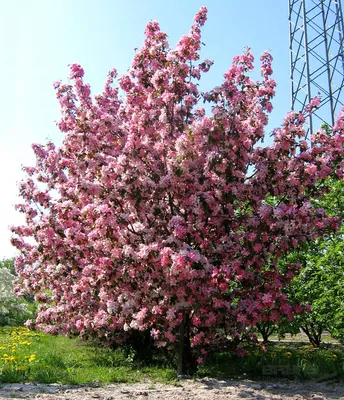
153 216
9 264
12 310
320 284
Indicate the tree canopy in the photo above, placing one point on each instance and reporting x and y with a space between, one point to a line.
155 216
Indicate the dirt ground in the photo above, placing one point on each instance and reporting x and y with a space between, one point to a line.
185 390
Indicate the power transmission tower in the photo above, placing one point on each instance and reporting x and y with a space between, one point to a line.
317 58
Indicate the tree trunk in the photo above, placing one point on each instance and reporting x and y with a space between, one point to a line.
313 333
186 360
266 330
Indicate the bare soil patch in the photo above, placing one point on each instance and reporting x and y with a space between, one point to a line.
206 389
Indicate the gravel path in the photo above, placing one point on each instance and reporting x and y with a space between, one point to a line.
193 390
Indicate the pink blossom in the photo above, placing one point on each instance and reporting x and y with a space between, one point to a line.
241 352
76 71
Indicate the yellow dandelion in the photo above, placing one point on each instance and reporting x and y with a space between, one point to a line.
288 354
334 356
25 342
20 368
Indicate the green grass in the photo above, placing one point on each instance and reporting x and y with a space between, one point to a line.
72 361
36 357
279 360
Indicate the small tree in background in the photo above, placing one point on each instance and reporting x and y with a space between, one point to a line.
11 309
154 217
9 264
320 284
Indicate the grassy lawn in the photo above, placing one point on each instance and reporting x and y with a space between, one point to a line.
280 360
35 357
56 359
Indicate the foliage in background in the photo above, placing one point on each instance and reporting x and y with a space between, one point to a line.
12 310
8 263
320 283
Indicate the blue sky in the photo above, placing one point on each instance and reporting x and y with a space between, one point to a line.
39 38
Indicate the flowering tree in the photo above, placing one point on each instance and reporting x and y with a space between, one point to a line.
154 216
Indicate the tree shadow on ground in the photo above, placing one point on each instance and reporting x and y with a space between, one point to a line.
280 388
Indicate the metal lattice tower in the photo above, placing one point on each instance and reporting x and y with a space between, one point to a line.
317 58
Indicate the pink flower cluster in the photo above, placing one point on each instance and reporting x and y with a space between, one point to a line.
151 208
